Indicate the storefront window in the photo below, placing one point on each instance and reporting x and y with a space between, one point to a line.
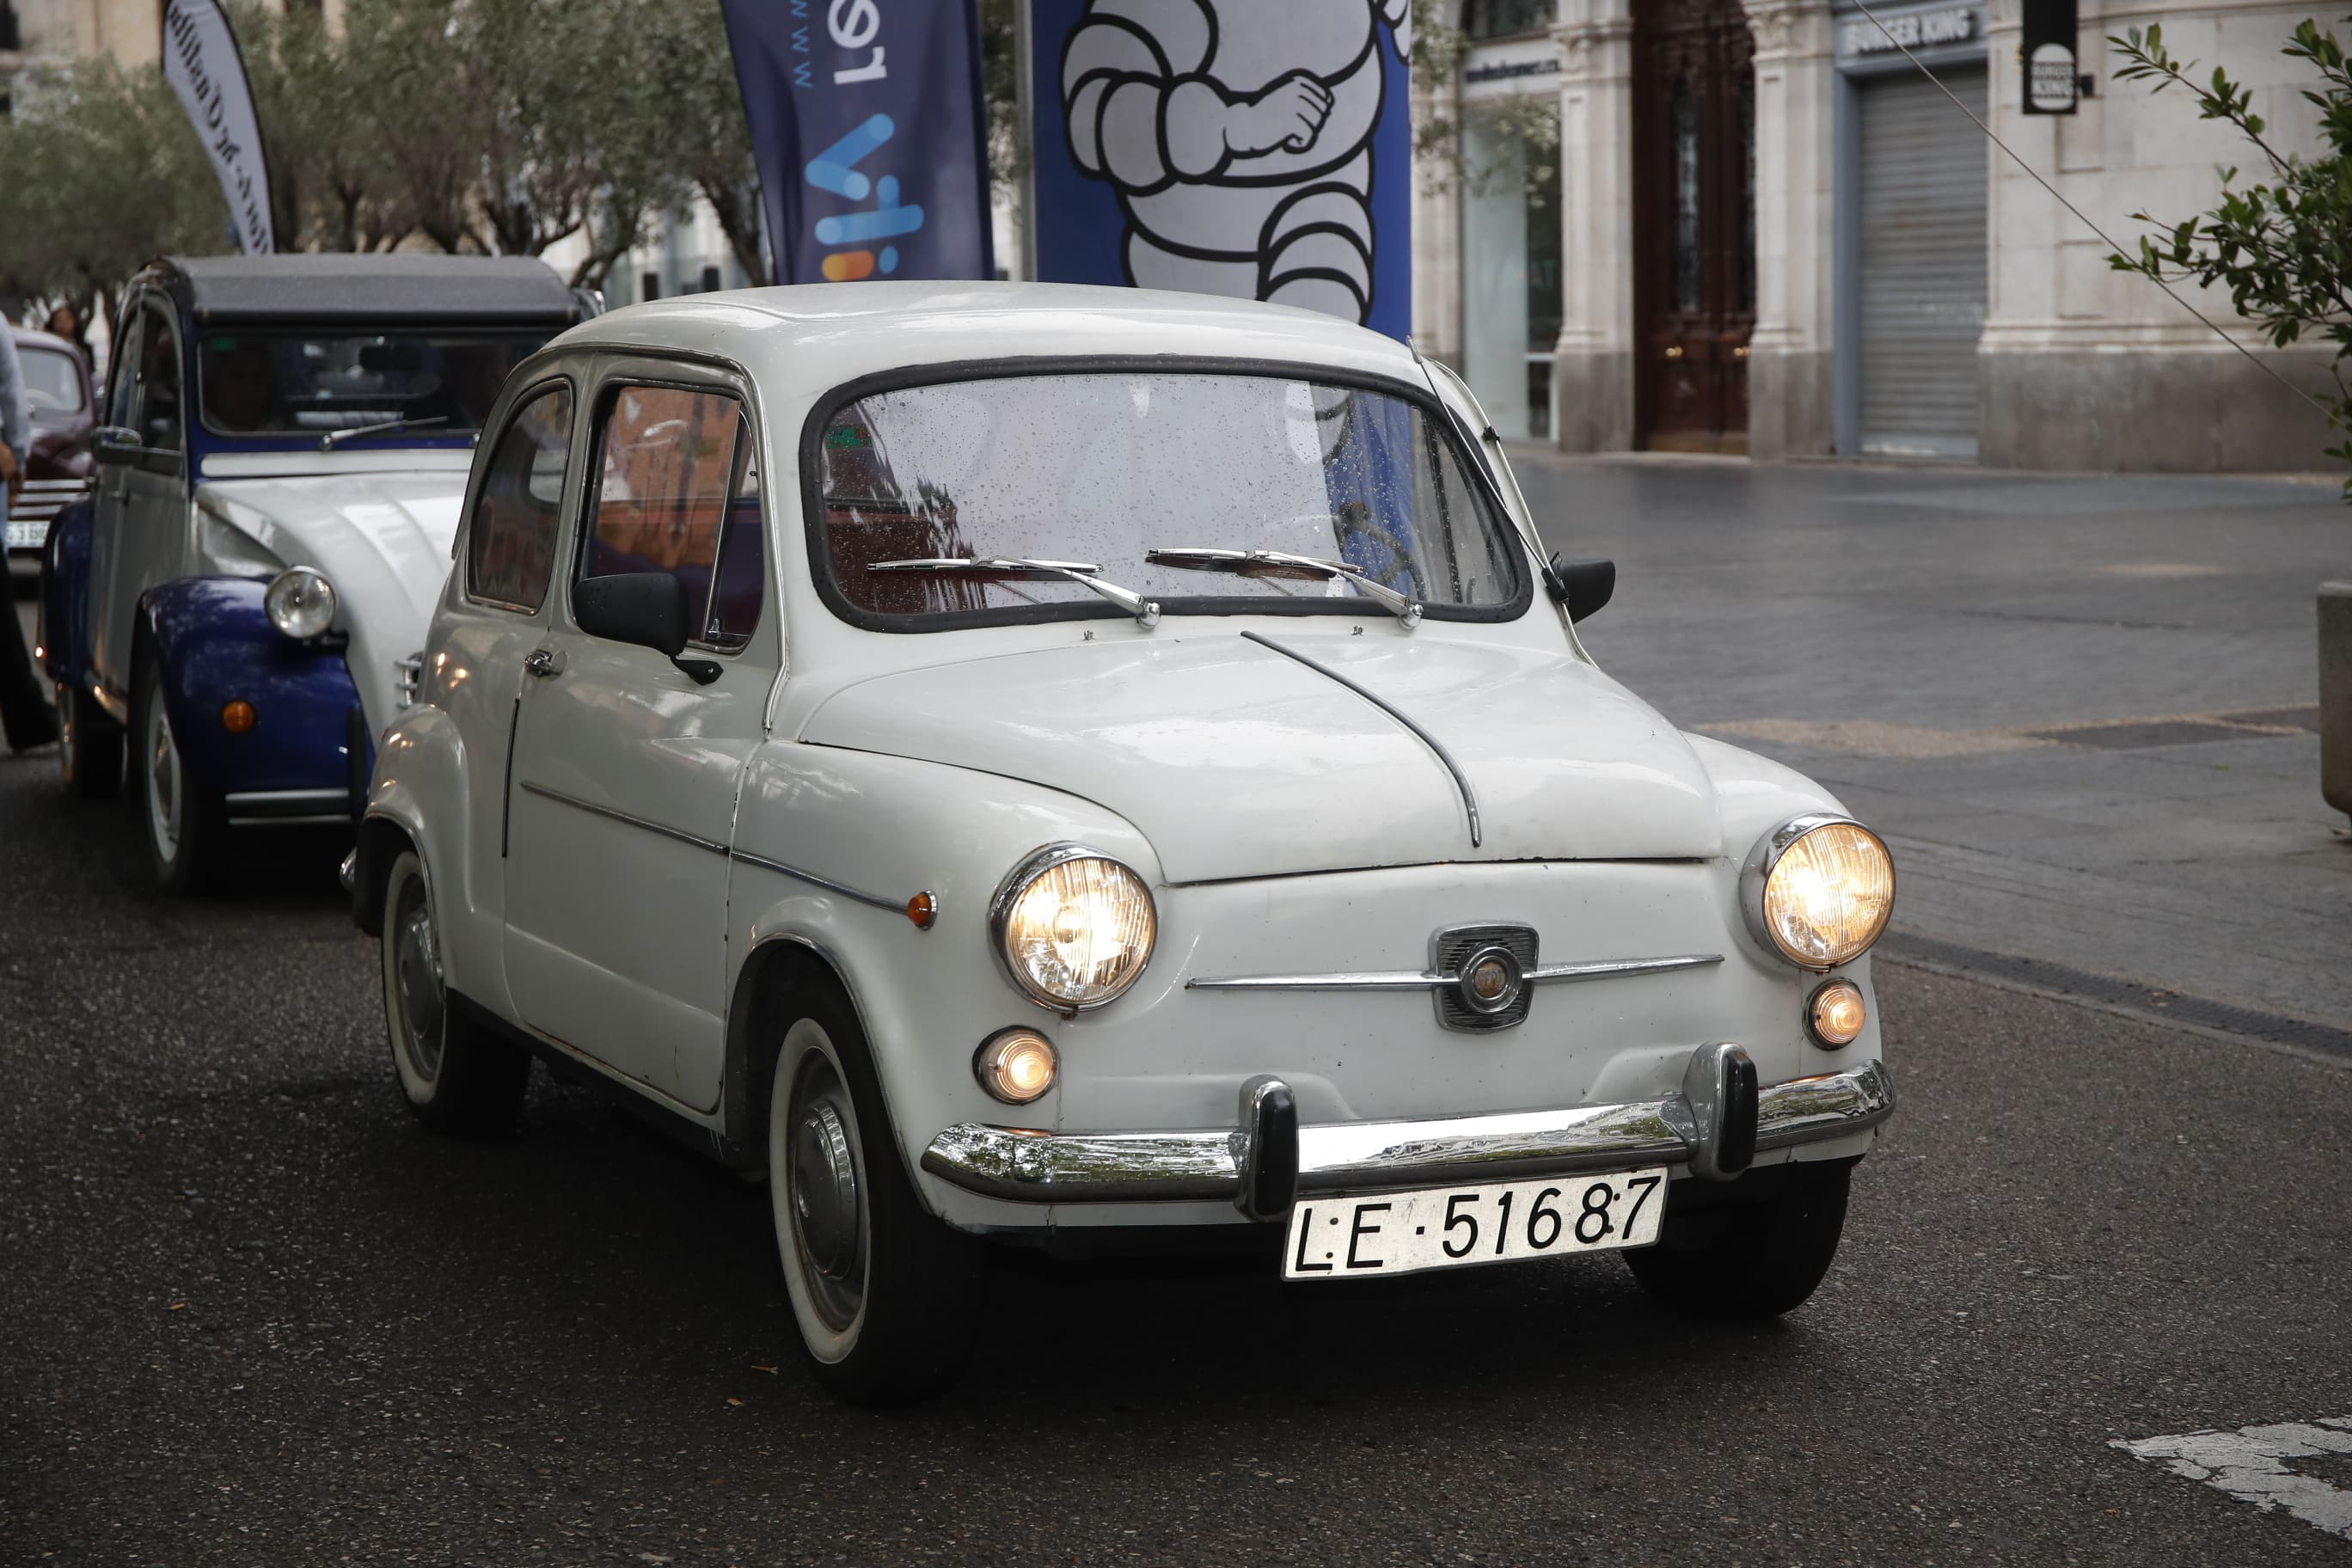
1511 260
1505 18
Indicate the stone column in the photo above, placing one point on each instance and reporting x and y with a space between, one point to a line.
1592 377
1792 396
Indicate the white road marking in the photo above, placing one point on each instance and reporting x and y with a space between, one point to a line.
2249 1464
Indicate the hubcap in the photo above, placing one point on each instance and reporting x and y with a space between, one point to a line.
416 970
825 1202
825 1190
164 788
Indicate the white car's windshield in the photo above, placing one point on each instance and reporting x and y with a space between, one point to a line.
1188 488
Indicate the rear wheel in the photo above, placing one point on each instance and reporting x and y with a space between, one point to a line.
186 828
886 1296
1748 1260
459 1077
90 750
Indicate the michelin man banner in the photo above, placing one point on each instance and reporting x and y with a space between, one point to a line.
1258 147
865 126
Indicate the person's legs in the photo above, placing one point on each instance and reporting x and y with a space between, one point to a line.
24 711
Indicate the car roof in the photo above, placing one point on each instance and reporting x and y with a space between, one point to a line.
403 286
804 339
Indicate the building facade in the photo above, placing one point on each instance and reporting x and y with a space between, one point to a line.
1777 234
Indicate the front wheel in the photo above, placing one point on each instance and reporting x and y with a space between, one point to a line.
886 1296
186 827
1748 1260
459 1077
89 749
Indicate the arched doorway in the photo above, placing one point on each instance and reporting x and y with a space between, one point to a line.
1694 223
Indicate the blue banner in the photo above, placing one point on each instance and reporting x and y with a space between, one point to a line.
1238 147
867 124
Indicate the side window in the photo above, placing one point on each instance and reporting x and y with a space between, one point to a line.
678 491
510 546
158 384
122 374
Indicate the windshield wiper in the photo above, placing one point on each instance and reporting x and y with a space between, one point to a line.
1274 562
334 439
1145 611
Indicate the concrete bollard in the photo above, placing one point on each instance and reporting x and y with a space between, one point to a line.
2335 694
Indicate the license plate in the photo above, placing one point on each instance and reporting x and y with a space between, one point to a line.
1357 1237
28 535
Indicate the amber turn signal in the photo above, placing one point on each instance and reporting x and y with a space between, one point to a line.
923 909
1016 1066
1836 1014
237 717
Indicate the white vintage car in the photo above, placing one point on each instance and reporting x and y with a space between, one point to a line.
1092 768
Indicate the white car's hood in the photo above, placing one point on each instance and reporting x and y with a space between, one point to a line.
1236 761
382 539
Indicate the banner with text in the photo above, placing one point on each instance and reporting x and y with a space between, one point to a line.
865 123
1228 147
202 63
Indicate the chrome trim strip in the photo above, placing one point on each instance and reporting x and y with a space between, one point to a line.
290 802
1402 980
761 861
1205 1163
1469 800
316 819
595 810
813 881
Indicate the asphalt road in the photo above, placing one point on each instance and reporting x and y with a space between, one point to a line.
251 1313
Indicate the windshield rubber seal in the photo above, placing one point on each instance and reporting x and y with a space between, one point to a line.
951 373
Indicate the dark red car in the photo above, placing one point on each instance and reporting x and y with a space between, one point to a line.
57 471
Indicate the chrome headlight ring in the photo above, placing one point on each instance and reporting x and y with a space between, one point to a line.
300 603
1004 907
1755 875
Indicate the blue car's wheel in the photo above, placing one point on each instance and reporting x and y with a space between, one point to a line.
89 746
185 825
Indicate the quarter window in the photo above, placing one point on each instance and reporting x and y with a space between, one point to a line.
159 387
679 491
510 548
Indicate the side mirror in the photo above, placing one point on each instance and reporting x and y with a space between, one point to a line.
1583 586
114 444
647 608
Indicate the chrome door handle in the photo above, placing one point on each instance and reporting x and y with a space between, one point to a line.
542 662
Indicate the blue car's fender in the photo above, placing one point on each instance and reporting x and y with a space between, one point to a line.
214 645
65 597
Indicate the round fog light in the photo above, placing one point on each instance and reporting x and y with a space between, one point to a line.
1836 1014
1016 1065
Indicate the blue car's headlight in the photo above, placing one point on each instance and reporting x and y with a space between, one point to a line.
300 603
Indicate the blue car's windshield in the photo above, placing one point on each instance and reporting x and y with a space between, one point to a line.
1185 486
296 383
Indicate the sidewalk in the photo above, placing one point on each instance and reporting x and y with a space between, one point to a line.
2081 707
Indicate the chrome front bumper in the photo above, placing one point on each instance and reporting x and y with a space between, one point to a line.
1709 1125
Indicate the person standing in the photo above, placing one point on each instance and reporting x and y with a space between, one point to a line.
24 712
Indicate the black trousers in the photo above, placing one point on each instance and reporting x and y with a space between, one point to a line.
24 712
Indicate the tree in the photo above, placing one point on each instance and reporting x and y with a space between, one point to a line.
104 173
2281 246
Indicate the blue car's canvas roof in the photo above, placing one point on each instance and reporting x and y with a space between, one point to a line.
378 289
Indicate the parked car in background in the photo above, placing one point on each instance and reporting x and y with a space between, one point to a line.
57 471
279 462
1089 768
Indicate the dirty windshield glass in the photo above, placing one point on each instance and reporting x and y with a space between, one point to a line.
1152 481
310 383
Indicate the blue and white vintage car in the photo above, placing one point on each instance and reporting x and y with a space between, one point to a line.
281 458
1088 768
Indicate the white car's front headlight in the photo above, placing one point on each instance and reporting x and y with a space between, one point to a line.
1074 929
300 603
1818 890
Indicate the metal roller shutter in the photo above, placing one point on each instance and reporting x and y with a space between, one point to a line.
1922 211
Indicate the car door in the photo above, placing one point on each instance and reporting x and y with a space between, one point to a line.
151 516
115 453
626 768
495 611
